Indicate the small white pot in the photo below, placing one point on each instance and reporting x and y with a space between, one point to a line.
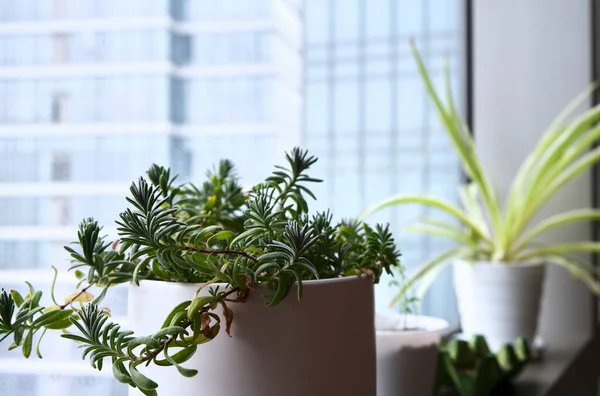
407 359
500 301
322 345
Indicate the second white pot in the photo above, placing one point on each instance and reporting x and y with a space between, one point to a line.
407 359
500 301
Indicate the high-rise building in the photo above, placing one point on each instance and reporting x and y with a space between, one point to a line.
92 92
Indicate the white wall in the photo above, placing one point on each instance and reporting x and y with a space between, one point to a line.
531 57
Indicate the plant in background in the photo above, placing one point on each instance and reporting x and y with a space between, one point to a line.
489 231
209 234
471 369
408 304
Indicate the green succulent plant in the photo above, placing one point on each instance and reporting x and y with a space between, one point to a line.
471 369
214 233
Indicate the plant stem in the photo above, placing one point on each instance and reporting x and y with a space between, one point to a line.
213 252
148 358
65 305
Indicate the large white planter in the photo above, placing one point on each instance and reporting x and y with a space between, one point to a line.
322 345
407 359
500 301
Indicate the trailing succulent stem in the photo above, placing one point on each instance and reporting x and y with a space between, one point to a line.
210 234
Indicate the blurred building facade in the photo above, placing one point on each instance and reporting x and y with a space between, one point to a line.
92 92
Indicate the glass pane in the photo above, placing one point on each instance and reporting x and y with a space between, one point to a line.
318 113
245 94
227 9
347 20
86 99
378 102
84 47
378 17
410 14
400 149
346 108
60 210
116 158
317 17
231 48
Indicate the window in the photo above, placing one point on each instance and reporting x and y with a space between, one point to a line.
346 105
85 111
244 94
61 48
378 19
60 9
61 166
60 211
367 113
59 107
208 10
347 20
86 47
317 23
230 48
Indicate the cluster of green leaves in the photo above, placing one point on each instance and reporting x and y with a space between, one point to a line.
209 234
470 368
23 317
278 244
489 231
105 267
102 339
218 201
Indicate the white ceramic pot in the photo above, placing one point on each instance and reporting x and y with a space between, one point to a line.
500 301
407 359
322 345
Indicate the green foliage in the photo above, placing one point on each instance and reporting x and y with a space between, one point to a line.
219 201
471 369
161 177
505 233
289 182
326 253
101 339
23 317
207 234
105 266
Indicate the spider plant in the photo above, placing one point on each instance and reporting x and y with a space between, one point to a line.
485 228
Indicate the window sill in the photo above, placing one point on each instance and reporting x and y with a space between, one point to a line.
568 367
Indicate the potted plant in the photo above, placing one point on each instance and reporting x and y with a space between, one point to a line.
209 259
407 353
407 346
498 261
